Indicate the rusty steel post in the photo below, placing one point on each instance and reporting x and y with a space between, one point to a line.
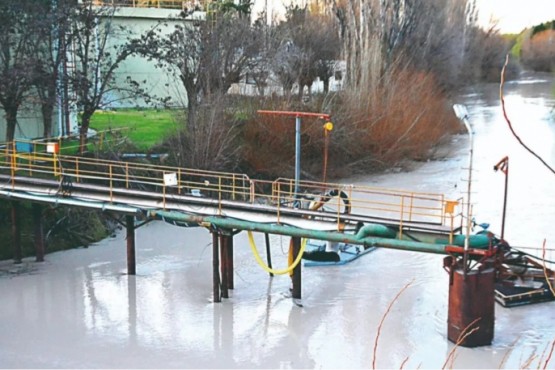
130 226
230 283
39 232
16 233
224 265
268 254
297 280
471 315
216 267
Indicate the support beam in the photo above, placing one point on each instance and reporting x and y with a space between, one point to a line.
297 281
224 265
16 232
39 232
216 267
130 226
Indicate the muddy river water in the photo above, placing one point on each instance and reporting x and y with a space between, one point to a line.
79 309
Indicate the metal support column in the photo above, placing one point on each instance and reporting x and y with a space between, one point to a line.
39 232
224 265
268 254
230 283
297 154
130 226
297 281
16 232
216 267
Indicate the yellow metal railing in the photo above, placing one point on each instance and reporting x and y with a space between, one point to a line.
406 208
162 4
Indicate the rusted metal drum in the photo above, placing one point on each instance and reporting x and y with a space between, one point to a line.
471 315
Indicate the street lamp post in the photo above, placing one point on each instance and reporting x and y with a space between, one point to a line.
462 113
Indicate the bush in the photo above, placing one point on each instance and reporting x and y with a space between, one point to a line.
538 51
402 119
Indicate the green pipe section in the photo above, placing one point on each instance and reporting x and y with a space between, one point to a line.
479 241
360 238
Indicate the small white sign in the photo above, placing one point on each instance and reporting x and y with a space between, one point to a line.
52 147
170 179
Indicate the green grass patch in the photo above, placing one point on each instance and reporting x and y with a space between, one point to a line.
144 128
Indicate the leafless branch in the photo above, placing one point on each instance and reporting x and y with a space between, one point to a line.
383 319
509 122
464 334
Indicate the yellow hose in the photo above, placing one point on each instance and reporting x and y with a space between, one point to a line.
271 270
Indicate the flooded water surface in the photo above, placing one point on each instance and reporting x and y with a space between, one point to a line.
79 309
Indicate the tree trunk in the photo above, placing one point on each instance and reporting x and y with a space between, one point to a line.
326 82
11 123
47 110
85 122
192 106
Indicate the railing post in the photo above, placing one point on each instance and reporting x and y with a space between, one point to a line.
111 184
411 205
77 169
179 180
402 217
233 187
220 195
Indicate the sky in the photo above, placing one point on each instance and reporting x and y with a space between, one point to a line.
512 15
515 15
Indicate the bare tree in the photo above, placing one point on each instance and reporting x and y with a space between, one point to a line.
99 47
51 21
208 55
16 64
309 49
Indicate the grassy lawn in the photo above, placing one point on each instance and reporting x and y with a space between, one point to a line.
144 128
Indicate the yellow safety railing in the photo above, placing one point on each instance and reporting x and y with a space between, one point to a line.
162 4
333 201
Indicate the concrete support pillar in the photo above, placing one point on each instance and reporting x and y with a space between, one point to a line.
16 232
130 226
39 232
471 316
297 280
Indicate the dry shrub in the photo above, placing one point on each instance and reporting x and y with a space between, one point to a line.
404 118
401 119
538 51
211 143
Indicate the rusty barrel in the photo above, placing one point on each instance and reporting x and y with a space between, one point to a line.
471 316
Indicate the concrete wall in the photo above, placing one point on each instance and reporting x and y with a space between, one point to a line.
159 82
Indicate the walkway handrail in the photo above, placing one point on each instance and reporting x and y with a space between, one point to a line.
406 208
